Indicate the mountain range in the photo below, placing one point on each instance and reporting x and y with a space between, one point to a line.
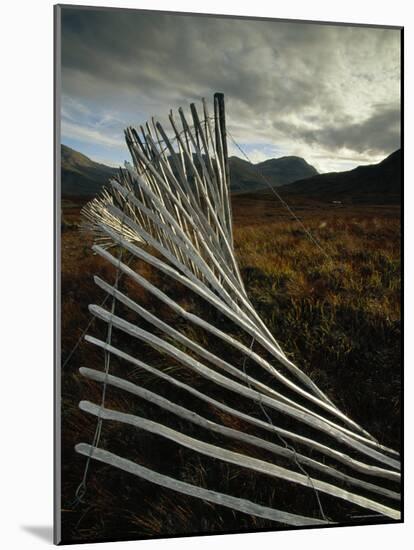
82 176
378 183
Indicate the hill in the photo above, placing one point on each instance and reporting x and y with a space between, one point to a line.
246 177
375 183
82 176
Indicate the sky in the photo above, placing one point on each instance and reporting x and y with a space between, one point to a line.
329 94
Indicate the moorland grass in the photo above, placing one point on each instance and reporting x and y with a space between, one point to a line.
337 315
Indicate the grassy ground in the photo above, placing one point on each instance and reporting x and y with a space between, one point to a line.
337 315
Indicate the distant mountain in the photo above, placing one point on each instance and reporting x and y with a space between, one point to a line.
247 177
81 176
379 183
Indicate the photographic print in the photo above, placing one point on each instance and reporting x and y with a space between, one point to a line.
228 249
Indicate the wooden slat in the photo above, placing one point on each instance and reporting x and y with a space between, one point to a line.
260 466
195 418
239 504
307 418
342 457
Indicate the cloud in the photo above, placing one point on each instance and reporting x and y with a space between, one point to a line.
285 82
84 133
376 134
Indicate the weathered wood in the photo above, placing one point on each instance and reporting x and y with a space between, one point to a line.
301 416
240 504
167 269
235 343
199 420
182 339
176 199
207 449
342 457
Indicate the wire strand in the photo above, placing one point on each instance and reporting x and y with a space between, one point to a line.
81 489
289 447
284 203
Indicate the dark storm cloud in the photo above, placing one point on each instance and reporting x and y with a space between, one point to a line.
378 133
252 61
284 81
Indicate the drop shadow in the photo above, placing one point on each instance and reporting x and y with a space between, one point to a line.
42 532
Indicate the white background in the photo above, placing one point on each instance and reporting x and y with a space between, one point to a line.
26 311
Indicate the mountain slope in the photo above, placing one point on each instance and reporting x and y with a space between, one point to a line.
81 176
379 182
246 177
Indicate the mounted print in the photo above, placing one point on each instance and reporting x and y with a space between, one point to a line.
228 281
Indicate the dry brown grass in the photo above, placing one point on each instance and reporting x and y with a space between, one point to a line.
338 318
